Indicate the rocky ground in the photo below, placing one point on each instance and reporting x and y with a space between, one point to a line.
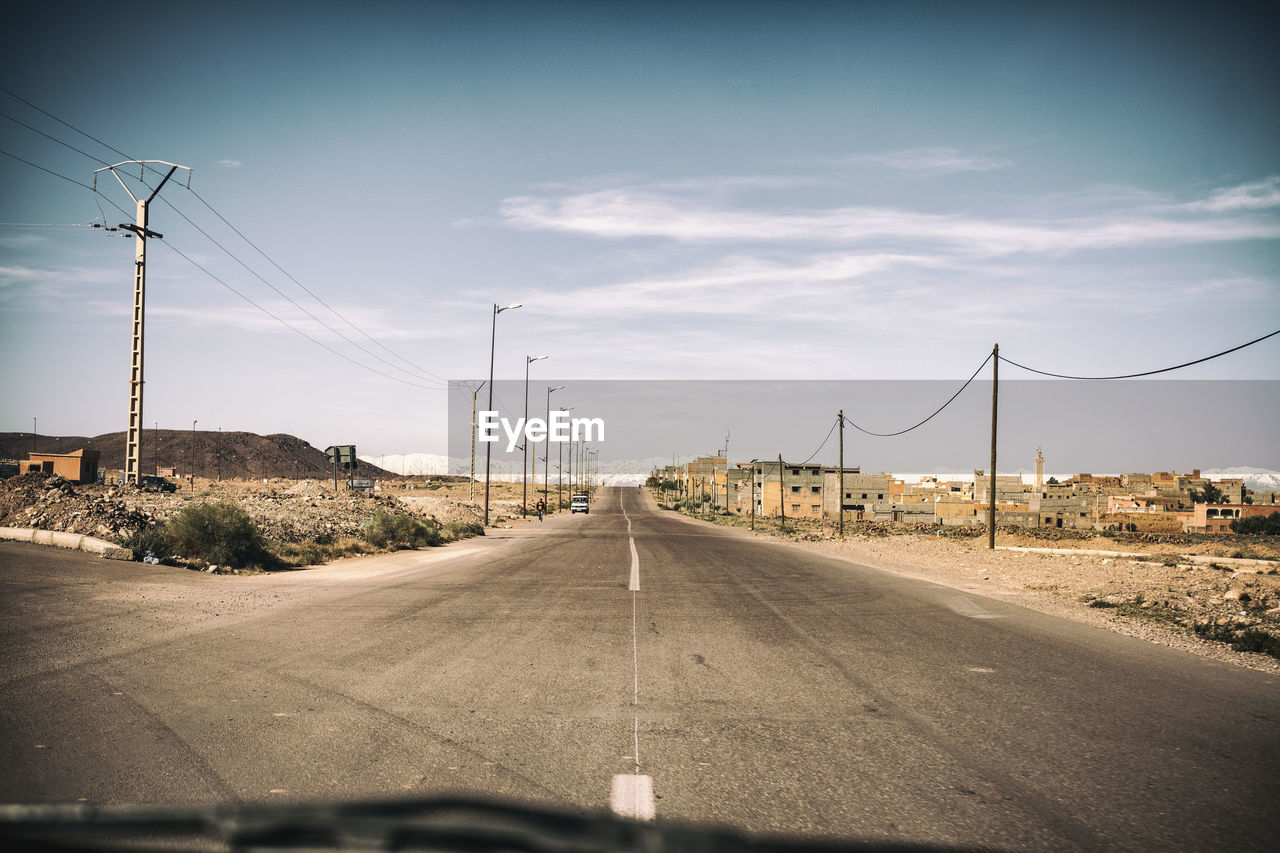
1216 596
288 511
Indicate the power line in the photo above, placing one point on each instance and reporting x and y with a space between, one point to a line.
313 295
421 370
54 139
289 325
1148 372
931 417
73 127
285 295
50 171
824 442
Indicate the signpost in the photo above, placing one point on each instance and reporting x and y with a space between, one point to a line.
341 454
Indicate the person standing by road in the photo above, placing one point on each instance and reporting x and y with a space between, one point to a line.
542 507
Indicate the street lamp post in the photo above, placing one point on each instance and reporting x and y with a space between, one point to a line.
546 460
524 465
560 467
488 446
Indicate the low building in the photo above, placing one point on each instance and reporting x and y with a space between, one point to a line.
794 489
78 467
867 497
1217 518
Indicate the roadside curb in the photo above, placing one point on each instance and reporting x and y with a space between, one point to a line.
72 541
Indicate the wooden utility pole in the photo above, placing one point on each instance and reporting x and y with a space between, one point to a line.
995 393
840 496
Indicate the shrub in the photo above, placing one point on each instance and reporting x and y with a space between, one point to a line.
299 554
1242 638
387 530
1268 525
455 530
219 533
152 539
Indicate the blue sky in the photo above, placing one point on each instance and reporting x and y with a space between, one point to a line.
732 191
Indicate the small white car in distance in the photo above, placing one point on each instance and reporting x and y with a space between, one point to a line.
579 503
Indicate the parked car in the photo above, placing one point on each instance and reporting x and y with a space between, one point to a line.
579 503
156 484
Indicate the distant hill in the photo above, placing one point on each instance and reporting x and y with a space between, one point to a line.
411 464
233 454
1258 479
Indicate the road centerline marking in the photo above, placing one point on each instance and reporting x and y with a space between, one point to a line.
631 794
634 585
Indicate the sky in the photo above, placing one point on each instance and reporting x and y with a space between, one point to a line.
729 191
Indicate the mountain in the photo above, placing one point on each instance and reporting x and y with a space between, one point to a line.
1258 479
216 453
410 464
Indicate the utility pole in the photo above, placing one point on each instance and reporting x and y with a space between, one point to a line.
474 392
995 392
753 493
782 495
193 456
840 496
34 423
133 436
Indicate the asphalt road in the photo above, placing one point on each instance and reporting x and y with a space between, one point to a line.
632 660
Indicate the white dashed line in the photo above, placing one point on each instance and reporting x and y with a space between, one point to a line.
632 796
632 793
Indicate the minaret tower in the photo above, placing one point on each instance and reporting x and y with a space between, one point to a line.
1039 469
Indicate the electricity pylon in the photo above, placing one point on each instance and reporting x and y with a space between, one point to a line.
133 437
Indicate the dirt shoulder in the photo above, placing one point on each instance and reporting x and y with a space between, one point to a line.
1189 595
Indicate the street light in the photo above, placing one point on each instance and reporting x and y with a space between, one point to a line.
560 467
524 465
592 471
488 446
546 459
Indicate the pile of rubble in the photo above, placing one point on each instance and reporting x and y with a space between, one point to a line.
51 502
284 511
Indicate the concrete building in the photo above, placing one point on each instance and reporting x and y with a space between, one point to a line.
1217 518
1008 488
797 487
867 497
78 467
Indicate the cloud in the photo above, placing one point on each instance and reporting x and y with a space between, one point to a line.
1258 195
928 161
638 212
231 164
